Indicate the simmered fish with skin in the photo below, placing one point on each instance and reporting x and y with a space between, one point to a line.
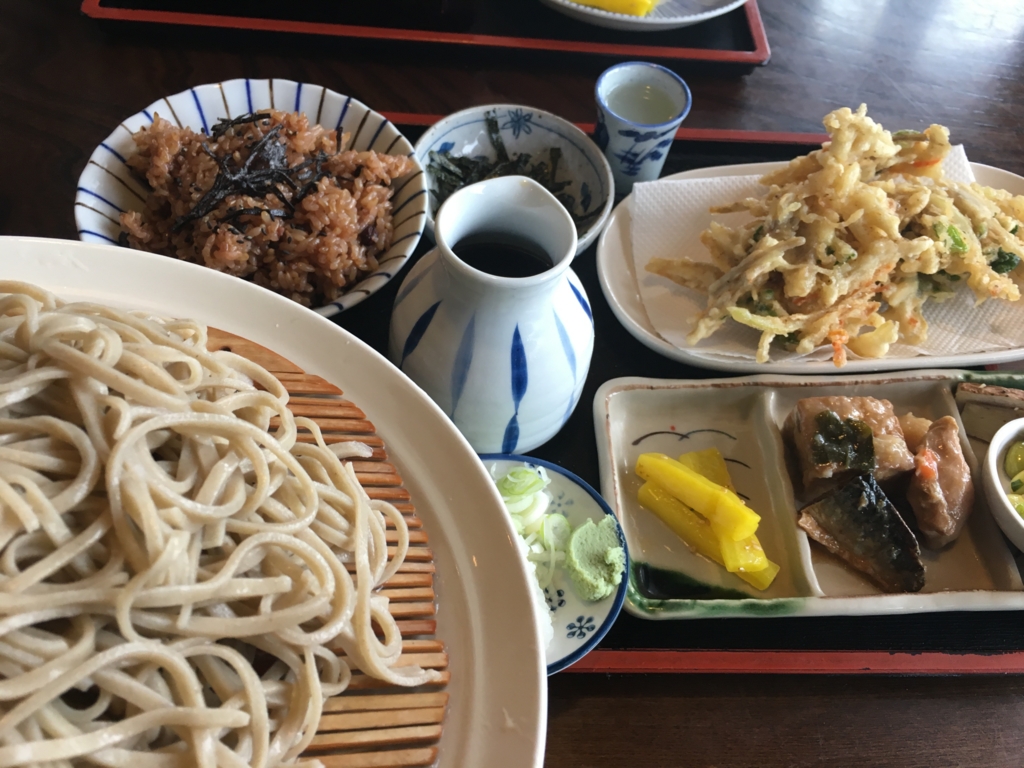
891 455
941 492
859 524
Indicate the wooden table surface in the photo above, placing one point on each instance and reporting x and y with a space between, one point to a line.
65 81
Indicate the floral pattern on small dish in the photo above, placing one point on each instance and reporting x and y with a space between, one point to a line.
519 121
533 131
579 626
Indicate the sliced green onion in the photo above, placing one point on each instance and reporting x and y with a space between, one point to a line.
533 516
523 481
957 239
555 532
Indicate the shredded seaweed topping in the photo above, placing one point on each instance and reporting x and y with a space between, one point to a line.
263 173
453 172
843 443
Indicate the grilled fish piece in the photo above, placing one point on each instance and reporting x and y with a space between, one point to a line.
941 492
827 446
859 524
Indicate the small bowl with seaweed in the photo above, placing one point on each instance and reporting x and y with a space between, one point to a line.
509 140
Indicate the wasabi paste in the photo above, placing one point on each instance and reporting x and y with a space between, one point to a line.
595 559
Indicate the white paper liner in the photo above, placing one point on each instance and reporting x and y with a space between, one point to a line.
668 217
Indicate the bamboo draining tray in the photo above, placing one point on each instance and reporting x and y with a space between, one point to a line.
373 724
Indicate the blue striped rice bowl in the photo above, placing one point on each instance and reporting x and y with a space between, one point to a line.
110 187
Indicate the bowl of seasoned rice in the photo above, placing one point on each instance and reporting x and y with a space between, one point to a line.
295 187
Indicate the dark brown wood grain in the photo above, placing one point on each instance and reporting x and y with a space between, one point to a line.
66 81
692 721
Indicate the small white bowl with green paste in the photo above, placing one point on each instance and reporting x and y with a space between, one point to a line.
582 565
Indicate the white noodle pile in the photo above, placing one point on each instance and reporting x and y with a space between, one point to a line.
174 580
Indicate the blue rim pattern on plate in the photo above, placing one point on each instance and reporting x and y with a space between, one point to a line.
593 637
107 187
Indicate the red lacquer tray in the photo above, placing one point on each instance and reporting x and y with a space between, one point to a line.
735 41
921 644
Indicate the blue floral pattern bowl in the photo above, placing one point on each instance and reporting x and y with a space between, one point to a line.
534 131
579 625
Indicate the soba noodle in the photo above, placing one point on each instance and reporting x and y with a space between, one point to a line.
175 585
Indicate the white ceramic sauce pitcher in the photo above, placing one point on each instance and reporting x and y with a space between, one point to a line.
504 357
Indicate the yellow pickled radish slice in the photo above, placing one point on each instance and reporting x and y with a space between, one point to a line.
728 515
628 7
711 464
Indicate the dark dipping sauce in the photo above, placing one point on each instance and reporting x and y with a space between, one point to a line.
503 255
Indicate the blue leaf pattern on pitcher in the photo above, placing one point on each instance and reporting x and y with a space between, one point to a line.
416 334
582 301
463 360
520 377
570 355
520 380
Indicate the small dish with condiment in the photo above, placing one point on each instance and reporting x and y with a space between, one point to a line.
579 625
997 481
325 211
524 141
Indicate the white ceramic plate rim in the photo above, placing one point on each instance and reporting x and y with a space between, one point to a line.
557 665
498 708
583 143
616 274
638 23
799 606
89 220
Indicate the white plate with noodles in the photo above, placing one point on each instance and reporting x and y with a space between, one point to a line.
617 274
498 703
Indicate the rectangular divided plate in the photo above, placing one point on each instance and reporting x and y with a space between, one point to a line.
743 417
